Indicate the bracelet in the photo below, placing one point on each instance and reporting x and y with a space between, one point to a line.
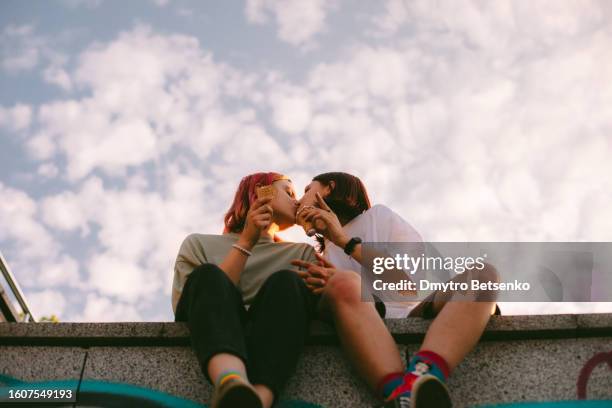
243 250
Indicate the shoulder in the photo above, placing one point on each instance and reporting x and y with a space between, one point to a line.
378 212
197 242
381 210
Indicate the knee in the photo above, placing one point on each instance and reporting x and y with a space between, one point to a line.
486 274
285 280
209 274
343 289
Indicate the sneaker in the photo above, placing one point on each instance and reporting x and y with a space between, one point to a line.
429 392
400 402
236 393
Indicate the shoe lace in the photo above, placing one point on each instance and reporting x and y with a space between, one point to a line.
404 402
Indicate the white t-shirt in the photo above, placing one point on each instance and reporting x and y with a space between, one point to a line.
378 224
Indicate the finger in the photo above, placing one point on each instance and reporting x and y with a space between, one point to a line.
318 272
314 215
263 218
318 291
301 274
263 224
259 202
315 281
264 209
324 262
303 264
306 212
322 203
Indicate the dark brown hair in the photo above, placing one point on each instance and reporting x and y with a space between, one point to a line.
348 197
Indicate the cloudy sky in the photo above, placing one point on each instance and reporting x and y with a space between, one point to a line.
125 126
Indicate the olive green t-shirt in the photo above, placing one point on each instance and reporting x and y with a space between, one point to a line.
268 257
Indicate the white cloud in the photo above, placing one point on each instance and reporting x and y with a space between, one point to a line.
21 49
58 76
291 109
113 130
16 118
19 225
65 212
47 170
46 303
473 125
104 309
121 277
298 21
63 272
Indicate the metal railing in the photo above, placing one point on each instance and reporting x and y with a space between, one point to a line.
17 293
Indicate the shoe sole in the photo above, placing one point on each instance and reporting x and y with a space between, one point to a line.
429 392
239 396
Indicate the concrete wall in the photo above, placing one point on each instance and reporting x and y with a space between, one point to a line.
520 358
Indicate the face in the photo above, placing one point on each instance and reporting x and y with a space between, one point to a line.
309 197
284 204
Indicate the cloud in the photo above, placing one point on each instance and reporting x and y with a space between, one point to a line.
298 22
16 118
21 49
291 109
58 76
137 232
19 224
470 123
47 170
103 309
113 130
36 258
46 303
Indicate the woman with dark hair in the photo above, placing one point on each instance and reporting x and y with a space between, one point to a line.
248 354
336 206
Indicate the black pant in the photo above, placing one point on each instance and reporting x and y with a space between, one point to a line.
269 337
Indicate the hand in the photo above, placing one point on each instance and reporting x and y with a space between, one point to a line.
325 222
315 276
258 219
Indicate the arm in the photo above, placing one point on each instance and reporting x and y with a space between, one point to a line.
258 219
327 224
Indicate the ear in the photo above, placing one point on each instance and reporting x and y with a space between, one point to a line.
329 188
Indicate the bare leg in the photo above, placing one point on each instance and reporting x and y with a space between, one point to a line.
459 324
265 395
224 362
363 334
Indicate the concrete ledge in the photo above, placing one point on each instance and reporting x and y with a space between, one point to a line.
522 358
405 331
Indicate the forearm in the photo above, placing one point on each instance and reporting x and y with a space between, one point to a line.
234 262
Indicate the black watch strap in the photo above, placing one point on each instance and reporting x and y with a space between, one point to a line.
350 246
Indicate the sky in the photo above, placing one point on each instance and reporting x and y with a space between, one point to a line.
126 126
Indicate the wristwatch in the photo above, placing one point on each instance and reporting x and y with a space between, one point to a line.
350 246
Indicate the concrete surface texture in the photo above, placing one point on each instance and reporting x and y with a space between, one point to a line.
520 358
